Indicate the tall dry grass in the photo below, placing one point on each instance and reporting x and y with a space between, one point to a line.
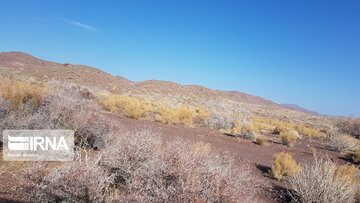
18 92
141 109
283 165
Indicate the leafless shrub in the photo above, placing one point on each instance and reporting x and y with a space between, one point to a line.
223 115
319 182
175 173
343 143
59 109
138 168
70 182
350 126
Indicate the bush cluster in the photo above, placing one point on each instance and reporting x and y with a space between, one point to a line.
288 138
324 181
132 107
283 165
137 167
343 143
124 167
18 92
61 108
350 127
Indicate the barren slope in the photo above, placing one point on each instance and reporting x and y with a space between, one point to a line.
22 65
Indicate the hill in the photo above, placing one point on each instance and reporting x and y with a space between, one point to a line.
22 65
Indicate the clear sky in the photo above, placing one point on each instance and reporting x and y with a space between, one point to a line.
303 52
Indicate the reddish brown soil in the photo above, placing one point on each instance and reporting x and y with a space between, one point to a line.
258 157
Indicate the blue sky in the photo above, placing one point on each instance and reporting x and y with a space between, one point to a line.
304 52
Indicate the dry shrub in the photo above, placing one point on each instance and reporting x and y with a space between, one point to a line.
242 130
283 165
276 126
357 155
260 140
247 132
223 116
277 130
132 107
137 167
61 108
309 131
263 123
220 121
343 143
202 147
202 113
179 115
323 181
350 126
354 156
19 92
288 138
66 183
129 106
346 173
270 124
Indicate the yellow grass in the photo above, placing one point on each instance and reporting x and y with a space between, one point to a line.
276 126
309 131
288 137
201 147
346 173
260 141
19 92
283 165
132 107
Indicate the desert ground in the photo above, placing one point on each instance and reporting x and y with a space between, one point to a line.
158 141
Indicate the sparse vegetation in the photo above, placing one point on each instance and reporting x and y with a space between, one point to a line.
350 126
128 106
288 138
123 167
260 140
283 165
137 168
135 108
58 109
309 131
276 126
272 125
354 156
324 181
346 173
343 143
201 147
18 92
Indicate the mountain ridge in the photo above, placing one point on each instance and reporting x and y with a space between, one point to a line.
23 64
